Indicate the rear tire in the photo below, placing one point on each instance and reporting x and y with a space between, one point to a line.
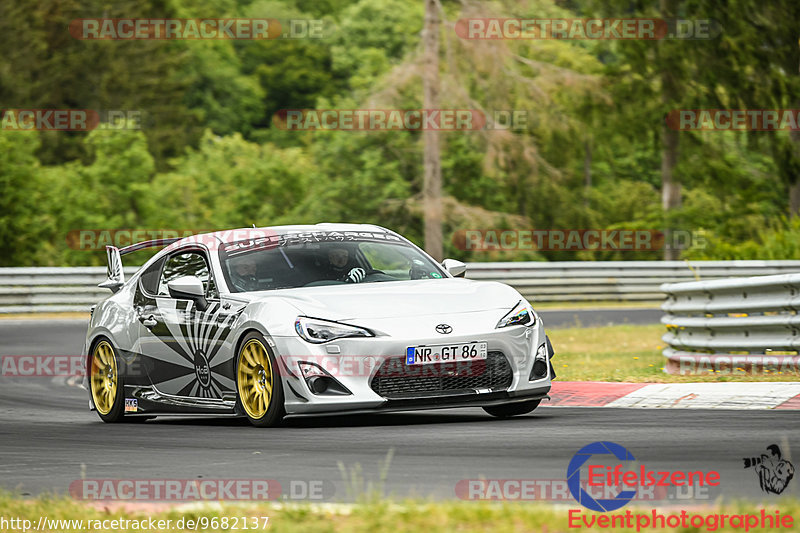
258 383
105 383
512 409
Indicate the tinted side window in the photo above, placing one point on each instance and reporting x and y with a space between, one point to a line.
187 264
149 278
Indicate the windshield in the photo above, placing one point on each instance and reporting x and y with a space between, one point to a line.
314 259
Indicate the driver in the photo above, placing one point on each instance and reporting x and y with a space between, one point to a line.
243 273
341 267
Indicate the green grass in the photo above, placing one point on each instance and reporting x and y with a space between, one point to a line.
366 517
625 353
44 316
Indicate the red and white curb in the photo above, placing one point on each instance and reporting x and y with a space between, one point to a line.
731 395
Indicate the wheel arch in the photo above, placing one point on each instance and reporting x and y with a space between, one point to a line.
95 340
244 332
270 346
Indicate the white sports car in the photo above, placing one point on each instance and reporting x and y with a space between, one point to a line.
295 320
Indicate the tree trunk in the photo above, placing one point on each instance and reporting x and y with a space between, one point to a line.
794 198
587 171
432 184
670 187
794 187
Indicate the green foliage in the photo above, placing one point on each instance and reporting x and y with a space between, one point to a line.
225 99
779 240
372 36
19 224
227 182
209 157
106 194
360 177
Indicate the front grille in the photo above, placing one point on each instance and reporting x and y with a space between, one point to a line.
395 380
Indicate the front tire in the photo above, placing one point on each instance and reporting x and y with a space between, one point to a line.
258 383
512 409
105 383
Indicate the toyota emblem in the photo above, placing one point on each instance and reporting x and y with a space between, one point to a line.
444 329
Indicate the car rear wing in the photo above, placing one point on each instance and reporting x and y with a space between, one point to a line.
114 271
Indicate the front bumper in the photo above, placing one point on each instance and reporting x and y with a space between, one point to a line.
354 363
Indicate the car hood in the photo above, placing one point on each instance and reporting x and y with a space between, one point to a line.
399 299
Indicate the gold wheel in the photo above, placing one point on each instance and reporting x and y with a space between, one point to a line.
105 379
254 379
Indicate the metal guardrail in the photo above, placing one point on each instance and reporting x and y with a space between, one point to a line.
576 281
744 325
52 289
57 289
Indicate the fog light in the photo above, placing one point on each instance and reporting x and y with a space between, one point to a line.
539 369
319 381
540 365
317 384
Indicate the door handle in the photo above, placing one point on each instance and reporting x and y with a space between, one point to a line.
149 322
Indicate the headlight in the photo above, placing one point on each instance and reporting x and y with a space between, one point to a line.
319 331
520 315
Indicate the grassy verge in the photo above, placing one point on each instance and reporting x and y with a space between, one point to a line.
625 353
372 516
599 304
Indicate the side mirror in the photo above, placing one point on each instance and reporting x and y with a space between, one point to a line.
457 269
189 288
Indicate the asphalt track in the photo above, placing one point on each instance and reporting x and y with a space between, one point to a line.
48 440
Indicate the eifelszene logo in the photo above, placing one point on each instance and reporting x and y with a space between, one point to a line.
610 478
774 472
574 476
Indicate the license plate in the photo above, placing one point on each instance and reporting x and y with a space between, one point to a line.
445 353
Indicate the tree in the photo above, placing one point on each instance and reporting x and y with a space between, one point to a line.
432 184
19 203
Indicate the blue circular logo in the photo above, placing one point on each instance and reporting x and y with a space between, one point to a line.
574 476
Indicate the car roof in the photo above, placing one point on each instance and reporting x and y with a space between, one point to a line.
238 234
